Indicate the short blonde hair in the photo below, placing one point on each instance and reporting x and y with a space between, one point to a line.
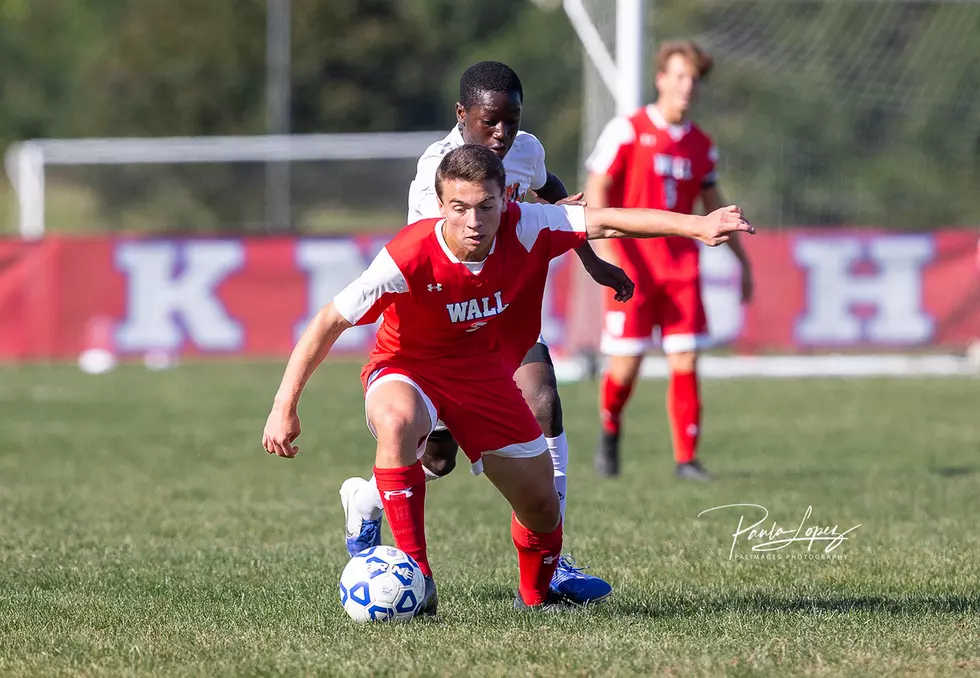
690 50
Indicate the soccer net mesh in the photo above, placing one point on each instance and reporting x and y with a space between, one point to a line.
329 183
829 112
333 196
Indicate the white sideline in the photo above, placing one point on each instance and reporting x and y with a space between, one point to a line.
726 367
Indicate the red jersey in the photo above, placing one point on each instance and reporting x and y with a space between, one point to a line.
656 165
443 315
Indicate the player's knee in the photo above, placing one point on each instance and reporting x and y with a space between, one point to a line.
623 369
440 454
683 362
546 408
541 513
398 421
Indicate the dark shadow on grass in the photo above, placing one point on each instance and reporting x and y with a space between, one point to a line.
912 606
953 471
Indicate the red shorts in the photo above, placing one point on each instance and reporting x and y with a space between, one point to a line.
520 327
485 416
672 305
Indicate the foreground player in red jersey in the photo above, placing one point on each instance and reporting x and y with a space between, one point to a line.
491 101
443 286
657 158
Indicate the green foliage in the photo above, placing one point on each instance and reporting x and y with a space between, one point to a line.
842 113
189 68
826 111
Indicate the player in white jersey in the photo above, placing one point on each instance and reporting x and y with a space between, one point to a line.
523 162
489 114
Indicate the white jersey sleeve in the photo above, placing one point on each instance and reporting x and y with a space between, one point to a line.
423 203
539 217
373 290
540 175
617 133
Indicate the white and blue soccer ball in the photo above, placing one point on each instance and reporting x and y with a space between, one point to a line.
382 584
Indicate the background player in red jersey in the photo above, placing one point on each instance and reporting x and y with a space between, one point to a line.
657 158
443 286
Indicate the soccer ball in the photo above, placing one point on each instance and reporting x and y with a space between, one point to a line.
382 584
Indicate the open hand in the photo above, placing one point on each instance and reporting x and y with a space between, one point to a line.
281 429
716 227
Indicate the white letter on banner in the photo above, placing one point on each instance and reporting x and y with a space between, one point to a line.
170 295
894 291
721 292
331 266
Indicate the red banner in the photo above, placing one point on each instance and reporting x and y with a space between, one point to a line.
815 290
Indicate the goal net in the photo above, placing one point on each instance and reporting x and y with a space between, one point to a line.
828 112
337 183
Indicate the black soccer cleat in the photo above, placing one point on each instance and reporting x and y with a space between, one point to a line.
607 455
430 600
554 603
692 470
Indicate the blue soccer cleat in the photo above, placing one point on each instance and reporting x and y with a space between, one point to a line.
361 534
577 587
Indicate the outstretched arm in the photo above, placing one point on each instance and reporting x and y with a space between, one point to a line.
282 426
313 346
714 229
359 303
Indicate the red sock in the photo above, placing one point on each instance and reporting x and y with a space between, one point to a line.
537 557
612 400
403 496
684 410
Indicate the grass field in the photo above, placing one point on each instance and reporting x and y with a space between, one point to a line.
144 531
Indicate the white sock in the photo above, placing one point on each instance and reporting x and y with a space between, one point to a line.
558 447
429 475
366 504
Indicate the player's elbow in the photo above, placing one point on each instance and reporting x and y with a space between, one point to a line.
599 224
603 233
330 322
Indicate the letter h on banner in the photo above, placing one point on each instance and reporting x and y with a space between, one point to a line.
893 290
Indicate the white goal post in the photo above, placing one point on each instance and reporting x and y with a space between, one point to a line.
27 161
623 76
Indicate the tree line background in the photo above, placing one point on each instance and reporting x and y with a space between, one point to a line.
828 112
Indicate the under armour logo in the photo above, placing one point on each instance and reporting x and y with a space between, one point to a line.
435 288
550 559
391 494
648 140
